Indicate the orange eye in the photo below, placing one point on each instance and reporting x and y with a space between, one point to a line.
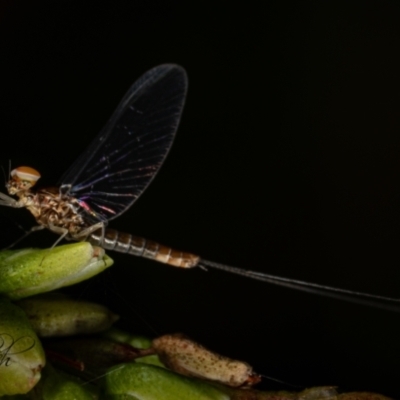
25 174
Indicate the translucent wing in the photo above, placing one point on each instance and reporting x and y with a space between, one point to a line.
126 155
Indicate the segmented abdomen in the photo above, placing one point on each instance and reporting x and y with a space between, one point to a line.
137 246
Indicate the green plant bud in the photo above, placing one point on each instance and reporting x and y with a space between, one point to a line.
357 396
56 385
137 341
56 315
91 353
315 393
21 353
148 382
27 272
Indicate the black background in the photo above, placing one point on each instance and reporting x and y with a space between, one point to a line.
287 161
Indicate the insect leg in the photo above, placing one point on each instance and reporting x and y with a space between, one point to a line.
84 233
9 201
26 234
63 232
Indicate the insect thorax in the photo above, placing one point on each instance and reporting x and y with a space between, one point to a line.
50 208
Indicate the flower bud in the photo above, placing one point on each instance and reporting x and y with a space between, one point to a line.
189 358
21 353
57 315
143 381
28 272
57 385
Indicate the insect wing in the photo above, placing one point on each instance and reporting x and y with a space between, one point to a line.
126 155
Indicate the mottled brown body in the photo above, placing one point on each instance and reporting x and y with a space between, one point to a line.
52 210
64 215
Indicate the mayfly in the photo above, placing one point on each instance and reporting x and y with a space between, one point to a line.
115 170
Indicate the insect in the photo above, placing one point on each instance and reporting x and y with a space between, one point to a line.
112 173
115 170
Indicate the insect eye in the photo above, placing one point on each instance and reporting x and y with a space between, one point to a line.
25 176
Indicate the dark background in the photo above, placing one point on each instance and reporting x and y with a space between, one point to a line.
287 161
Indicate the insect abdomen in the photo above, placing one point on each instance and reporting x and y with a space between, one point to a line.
137 246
